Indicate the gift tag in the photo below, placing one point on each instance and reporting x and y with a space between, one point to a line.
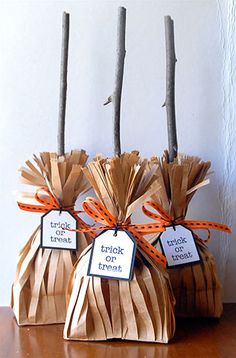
54 230
179 246
112 256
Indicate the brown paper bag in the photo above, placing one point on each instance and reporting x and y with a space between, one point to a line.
38 291
141 309
196 286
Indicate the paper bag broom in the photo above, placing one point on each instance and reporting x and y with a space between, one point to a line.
140 308
196 286
42 274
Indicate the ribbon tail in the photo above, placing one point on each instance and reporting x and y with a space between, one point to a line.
206 225
150 250
145 229
204 240
32 208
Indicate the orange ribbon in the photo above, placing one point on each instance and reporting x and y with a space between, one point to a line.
49 202
101 215
162 217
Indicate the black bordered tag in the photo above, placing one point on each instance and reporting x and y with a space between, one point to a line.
54 230
113 255
178 246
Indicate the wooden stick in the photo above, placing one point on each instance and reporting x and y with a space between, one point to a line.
170 88
115 98
63 83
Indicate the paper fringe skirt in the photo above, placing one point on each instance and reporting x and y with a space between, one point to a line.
141 309
197 287
42 275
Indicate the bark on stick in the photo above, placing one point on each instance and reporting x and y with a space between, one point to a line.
170 88
115 98
63 83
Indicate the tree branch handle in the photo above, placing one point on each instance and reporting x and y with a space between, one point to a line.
170 88
63 83
115 98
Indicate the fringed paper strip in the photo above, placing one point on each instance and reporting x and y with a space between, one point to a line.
141 309
196 287
38 292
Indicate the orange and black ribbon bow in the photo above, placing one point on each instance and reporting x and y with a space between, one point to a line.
49 202
101 215
162 217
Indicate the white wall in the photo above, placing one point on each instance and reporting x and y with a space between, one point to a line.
30 41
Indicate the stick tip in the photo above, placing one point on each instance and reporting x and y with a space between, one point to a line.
65 14
122 9
167 18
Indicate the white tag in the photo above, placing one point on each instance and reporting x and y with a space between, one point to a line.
113 255
54 233
179 246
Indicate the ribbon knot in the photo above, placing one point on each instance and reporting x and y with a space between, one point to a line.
116 230
173 224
